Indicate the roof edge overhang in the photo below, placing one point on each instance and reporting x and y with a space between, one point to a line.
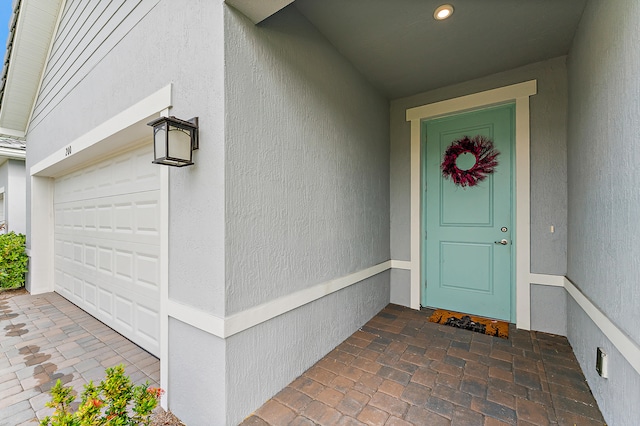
12 154
12 149
258 11
31 33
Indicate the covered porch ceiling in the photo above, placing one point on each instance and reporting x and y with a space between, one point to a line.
402 50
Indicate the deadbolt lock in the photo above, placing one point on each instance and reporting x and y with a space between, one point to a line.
504 229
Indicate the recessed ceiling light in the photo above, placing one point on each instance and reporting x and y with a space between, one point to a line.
443 12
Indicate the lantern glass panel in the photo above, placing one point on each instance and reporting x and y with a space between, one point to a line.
179 144
160 141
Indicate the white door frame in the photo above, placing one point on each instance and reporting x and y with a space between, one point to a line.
518 93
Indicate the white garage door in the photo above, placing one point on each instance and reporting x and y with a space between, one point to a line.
107 243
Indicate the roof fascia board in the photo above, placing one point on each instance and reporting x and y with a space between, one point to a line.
12 133
46 62
14 154
17 32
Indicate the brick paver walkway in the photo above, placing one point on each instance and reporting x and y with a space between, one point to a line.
45 338
400 369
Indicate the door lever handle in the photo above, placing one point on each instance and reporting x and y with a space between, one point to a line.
502 241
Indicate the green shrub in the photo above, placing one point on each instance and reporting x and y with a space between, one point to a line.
115 401
13 260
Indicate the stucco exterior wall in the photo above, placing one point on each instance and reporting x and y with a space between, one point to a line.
159 48
13 180
550 313
307 184
16 190
265 359
307 161
4 183
548 115
197 393
603 177
140 63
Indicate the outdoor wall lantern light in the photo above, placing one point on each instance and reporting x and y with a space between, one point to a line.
174 141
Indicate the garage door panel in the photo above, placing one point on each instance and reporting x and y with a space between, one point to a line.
65 283
90 219
124 265
147 221
135 214
105 260
115 301
148 321
118 240
90 256
147 267
77 253
68 195
91 294
105 305
124 312
123 173
107 239
139 290
111 256
123 217
113 177
77 288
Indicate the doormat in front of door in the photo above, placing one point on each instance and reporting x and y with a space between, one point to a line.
471 322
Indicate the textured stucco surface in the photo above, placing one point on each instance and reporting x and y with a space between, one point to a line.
197 361
4 174
150 56
603 176
13 180
400 293
307 161
550 314
134 69
4 183
261 361
548 112
617 395
307 198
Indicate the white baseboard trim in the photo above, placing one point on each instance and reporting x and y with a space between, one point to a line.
401 264
625 345
196 318
236 323
544 279
241 321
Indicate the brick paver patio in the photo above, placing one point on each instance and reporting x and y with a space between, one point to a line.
45 338
400 369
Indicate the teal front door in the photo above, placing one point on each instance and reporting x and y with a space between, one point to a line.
469 228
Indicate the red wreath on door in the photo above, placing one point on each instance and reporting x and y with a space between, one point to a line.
483 150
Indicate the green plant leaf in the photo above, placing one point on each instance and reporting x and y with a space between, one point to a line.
13 260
